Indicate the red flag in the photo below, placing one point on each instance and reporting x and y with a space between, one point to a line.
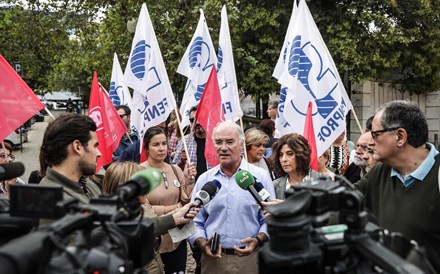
309 134
209 114
144 156
18 103
110 127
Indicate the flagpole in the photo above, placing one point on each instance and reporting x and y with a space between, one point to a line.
357 120
183 136
244 140
50 113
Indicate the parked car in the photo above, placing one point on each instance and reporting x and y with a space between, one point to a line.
14 138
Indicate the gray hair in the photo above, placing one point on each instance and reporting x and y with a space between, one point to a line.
407 115
229 124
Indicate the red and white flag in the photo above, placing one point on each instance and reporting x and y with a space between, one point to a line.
110 127
18 103
309 134
209 114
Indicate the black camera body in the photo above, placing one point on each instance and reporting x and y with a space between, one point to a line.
109 235
302 242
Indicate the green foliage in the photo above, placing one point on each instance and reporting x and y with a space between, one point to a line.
61 43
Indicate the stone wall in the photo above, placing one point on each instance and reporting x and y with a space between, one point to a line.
369 96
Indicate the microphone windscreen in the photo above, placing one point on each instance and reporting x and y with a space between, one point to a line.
11 170
217 183
244 179
151 176
210 188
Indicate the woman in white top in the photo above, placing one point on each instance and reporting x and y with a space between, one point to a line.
256 141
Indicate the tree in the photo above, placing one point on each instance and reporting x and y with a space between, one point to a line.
396 40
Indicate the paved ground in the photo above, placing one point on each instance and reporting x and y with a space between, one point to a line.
29 157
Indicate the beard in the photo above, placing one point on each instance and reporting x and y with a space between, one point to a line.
199 130
359 161
86 169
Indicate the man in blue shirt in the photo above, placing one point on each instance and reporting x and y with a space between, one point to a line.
232 213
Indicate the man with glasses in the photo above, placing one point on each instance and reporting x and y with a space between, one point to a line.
356 169
130 136
402 191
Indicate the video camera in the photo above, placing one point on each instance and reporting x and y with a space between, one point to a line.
302 242
109 235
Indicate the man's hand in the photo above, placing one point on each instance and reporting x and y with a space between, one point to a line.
181 216
250 245
205 247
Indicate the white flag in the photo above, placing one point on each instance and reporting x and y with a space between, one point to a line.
281 121
196 65
310 75
226 73
119 94
153 99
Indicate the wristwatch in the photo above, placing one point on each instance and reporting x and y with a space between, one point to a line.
260 242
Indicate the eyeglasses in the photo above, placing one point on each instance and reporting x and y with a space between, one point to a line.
122 115
363 148
10 156
376 133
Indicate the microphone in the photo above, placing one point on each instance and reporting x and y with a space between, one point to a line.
206 194
246 181
140 183
264 194
11 170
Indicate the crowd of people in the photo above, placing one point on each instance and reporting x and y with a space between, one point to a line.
392 164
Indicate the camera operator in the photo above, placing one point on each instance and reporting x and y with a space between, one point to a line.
403 190
70 151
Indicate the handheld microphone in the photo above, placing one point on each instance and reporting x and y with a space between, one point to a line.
246 181
11 170
206 194
140 183
264 194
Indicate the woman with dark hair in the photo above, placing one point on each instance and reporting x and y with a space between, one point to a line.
291 160
169 196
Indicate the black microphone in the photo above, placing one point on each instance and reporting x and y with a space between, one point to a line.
206 194
11 170
264 194
245 180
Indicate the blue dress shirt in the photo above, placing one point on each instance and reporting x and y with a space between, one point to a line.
421 171
233 213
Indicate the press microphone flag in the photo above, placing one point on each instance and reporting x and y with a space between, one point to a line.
246 181
141 183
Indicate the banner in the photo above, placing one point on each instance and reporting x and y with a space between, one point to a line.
209 114
110 127
226 73
310 75
153 98
196 65
119 93
309 134
18 103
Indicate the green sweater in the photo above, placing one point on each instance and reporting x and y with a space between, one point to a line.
414 211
